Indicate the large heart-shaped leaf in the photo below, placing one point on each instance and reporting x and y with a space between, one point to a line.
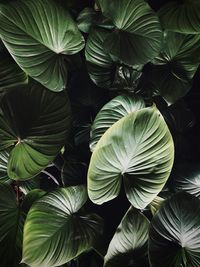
176 65
136 37
39 34
181 16
174 233
139 148
186 177
11 230
128 247
68 232
10 73
101 66
114 110
34 123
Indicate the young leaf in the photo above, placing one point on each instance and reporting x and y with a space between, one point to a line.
174 233
114 110
34 123
137 35
67 232
39 34
139 148
129 244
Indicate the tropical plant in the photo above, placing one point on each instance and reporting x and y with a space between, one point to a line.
99 133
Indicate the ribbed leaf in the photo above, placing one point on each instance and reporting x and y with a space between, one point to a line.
3 167
114 110
174 233
86 19
136 38
34 123
186 177
128 247
67 232
101 66
11 230
138 147
176 65
39 34
181 16
27 186
10 73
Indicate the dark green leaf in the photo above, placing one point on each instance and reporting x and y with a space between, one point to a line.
174 233
176 65
10 73
34 123
11 230
40 34
101 66
86 19
129 244
114 110
30 198
137 36
27 186
181 16
67 232
138 147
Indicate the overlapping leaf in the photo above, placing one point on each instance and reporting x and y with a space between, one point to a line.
176 65
11 230
101 66
174 233
129 244
67 232
139 148
181 16
34 123
136 37
114 110
39 34
10 73
3 167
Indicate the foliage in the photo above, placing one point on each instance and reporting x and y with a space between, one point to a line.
99 133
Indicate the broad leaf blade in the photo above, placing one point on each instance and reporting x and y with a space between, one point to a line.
39 34
114 110
34 123
181 16
68 232
138 147
3 167
174 232
128 247
137 36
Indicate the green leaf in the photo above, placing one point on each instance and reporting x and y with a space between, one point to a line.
128 247
29 185
10 73
86 19
155 204
101 66
67 233
34 123
181 16
186 177
174 233
139 148
31 197
11 230
114 110
3 167
137 36
176 65
40 34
